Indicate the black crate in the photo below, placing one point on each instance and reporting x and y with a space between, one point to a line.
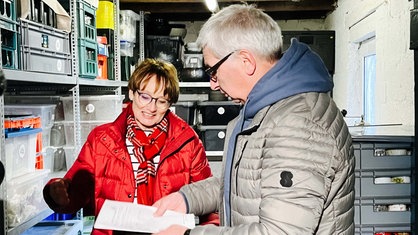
213 137
165 48
218 112
186 110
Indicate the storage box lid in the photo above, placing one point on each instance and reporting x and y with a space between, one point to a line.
22 132
218 103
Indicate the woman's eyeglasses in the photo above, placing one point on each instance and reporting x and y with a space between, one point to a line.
145 99
211 71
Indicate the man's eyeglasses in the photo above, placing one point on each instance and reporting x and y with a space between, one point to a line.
211 71
145 99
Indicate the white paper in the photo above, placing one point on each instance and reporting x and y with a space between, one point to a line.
128 216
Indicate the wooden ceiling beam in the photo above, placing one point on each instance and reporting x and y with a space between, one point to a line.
196 10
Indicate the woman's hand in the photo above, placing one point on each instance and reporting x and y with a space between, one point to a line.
58 190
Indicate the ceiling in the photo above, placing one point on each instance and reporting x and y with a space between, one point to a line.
191 10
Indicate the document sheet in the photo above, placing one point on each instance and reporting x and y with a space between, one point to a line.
128 216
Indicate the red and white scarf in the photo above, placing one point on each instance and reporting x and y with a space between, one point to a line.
146 147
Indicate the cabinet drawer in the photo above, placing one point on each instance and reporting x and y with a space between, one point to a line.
369 216
376 156
370 188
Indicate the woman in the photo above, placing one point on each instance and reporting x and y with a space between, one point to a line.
146 153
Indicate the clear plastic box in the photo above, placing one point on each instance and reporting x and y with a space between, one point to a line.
65 227
24 197
127 25
20 152
45 111
127 48
70 156
94 108
86 128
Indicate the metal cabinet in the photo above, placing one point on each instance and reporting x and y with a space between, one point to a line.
385 181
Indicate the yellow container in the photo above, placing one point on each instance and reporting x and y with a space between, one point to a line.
104 15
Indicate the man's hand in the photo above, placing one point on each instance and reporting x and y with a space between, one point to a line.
58 190
174 202
172 230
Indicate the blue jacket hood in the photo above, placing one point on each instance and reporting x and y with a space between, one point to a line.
299 70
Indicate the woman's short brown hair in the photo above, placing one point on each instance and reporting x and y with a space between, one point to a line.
166 75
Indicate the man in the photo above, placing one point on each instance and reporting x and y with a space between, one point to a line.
288 157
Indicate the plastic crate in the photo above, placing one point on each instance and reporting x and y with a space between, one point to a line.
43 37
165 48
218 112
86 128
9 47
14 123
24 197
127 25
186 110
45 111
8 10
44 61
104 108
20 152
70 156
88 59
86 19
127 48
213 137
102 67
63 227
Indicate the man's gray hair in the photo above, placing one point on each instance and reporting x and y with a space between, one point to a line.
241 26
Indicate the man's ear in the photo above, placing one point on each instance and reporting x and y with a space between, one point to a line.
248 62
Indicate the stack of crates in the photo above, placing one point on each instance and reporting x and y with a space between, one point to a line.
87 39
24 181
43 47
213 117
8 31
105 28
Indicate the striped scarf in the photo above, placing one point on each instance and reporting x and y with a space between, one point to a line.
146 147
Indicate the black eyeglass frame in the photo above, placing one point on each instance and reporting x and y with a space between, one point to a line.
211 71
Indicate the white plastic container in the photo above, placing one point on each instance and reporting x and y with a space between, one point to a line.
20 152
94 108
24 197
127 25
45 111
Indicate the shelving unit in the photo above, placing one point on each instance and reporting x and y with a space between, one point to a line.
21 82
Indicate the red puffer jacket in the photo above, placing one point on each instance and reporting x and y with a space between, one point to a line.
104 165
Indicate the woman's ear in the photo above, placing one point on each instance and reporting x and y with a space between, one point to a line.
131 95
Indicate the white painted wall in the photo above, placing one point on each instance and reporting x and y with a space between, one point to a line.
353 21
389 21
